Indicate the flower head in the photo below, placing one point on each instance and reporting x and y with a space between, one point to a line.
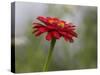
55 28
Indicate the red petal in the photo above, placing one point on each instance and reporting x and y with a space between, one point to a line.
38 33
73 33
68 37
56 34
49 36
43 19
36 25
50 27
71 29
62 33
42 29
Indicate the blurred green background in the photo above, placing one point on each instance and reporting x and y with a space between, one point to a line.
31 51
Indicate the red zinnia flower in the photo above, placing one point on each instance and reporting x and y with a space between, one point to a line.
55 28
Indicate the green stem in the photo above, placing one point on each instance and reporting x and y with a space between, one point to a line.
45 68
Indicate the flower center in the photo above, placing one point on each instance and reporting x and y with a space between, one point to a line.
51 21
56 21
61 24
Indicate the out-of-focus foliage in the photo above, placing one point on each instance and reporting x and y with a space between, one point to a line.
31 55
58 10
87 57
